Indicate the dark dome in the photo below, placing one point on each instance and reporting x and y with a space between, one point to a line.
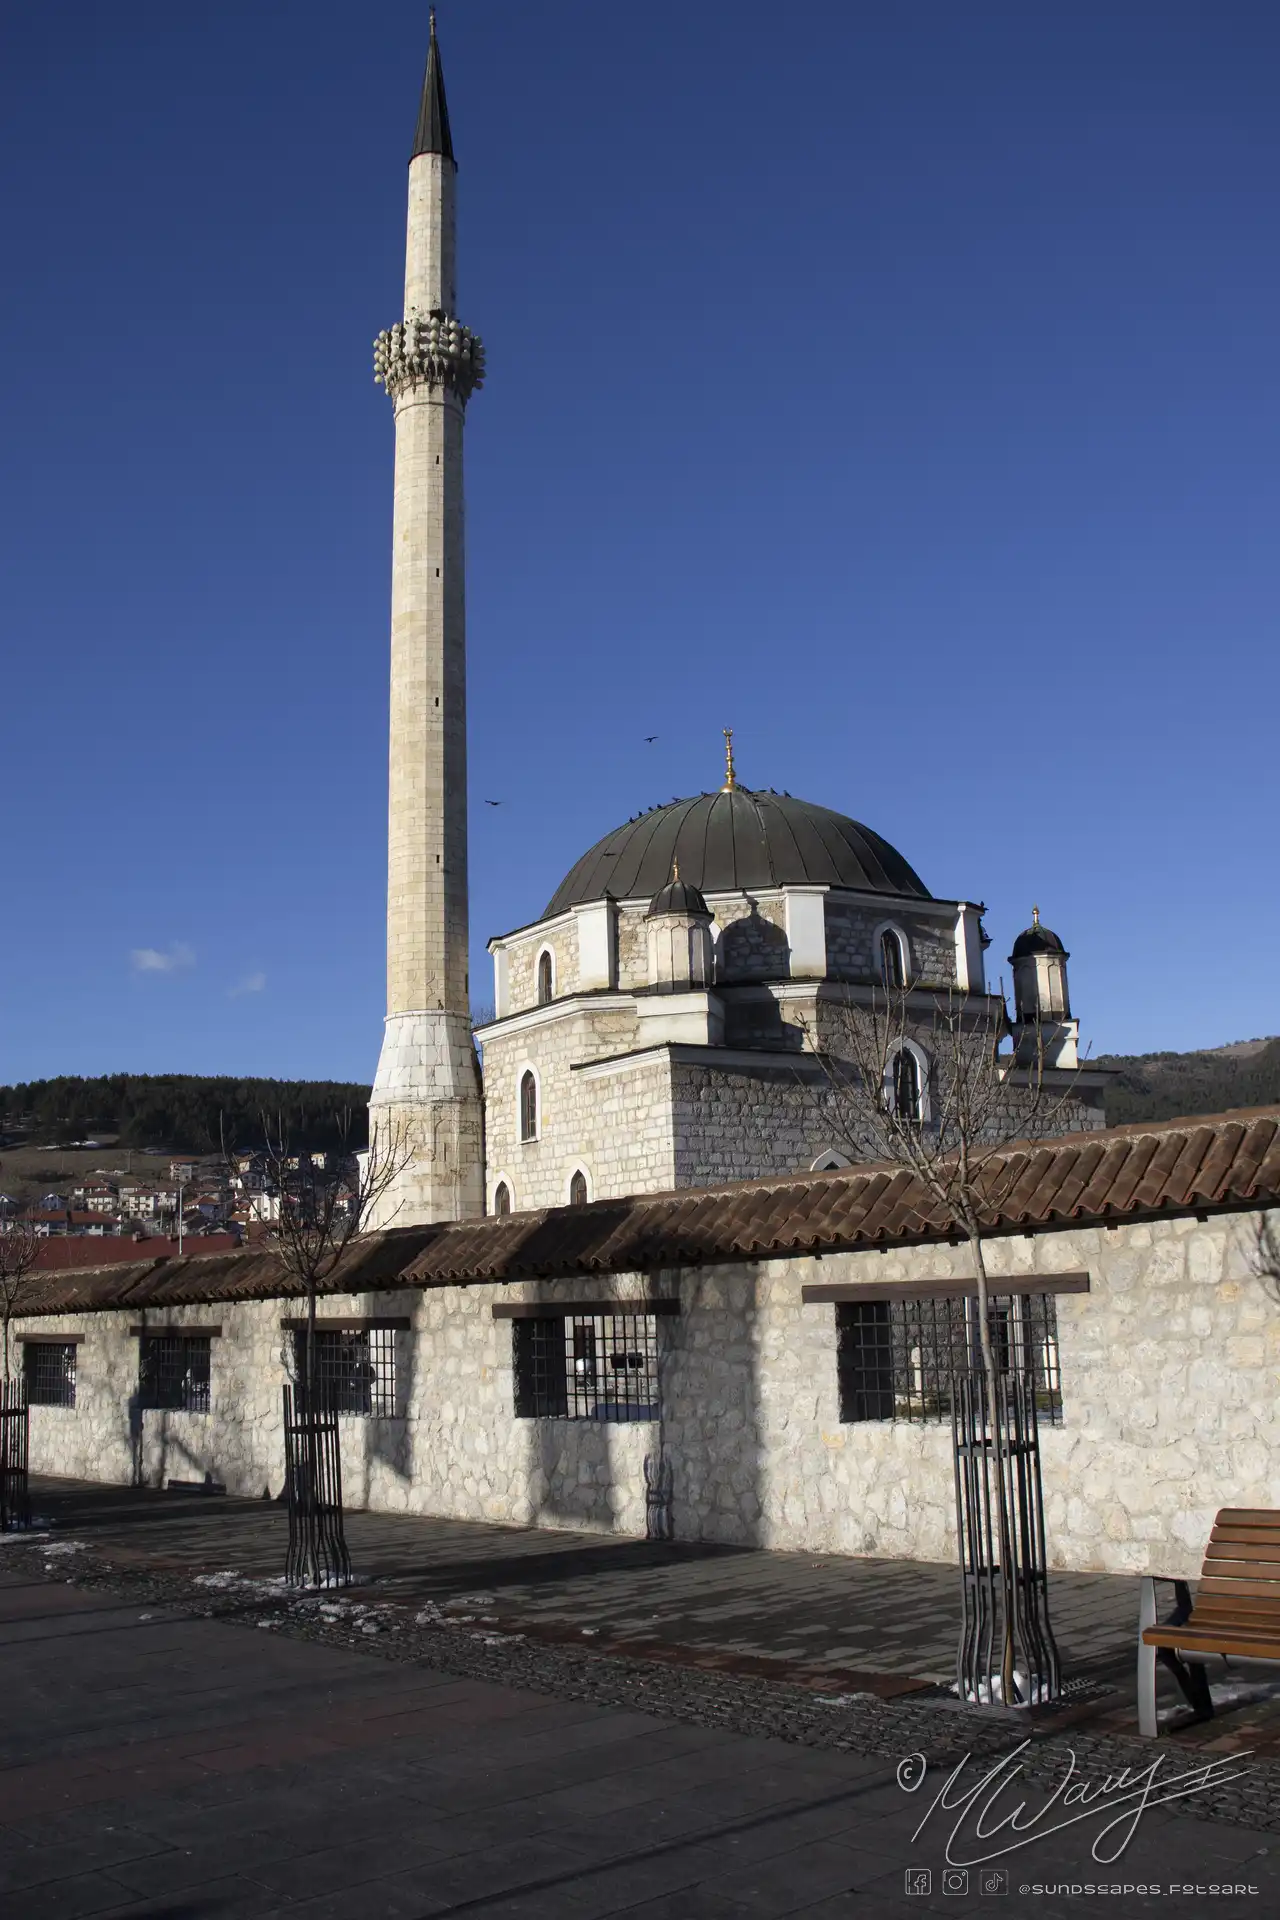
679 897
1037 939
737 841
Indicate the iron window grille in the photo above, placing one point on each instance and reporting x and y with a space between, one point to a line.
49 1369
898 1359
173 1372
355 1369
598 1366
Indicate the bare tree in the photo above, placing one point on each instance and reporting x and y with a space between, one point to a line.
321 1201
918 1078
19 1248
318 1202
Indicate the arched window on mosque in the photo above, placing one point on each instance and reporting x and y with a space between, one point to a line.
528 1105
578 1189
906 1086
501 1199
546 979
893 962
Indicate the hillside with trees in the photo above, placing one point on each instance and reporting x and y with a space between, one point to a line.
191 1113
186 1112
1165 1086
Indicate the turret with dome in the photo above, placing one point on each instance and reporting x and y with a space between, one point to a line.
664 1023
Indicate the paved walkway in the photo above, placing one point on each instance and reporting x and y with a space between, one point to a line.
165 1767
886 1625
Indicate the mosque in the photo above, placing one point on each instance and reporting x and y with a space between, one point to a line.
670 1021
629 1279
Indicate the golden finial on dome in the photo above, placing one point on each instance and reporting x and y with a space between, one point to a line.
1035 916
730 778
675 868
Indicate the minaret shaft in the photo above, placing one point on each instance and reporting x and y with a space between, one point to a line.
426 1097
430 255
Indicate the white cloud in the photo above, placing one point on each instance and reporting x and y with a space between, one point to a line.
175 959
252 983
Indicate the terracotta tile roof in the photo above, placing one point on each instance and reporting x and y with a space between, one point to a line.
1227 1161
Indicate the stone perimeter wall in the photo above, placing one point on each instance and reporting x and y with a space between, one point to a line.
1169 1376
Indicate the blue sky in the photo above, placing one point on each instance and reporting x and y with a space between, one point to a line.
894 384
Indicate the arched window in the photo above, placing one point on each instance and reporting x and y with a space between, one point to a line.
578 1189
501 1199
893 961
831 1161
546 977
528 1105
906 1086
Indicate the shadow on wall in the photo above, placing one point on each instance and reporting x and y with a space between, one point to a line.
388 1442
571 1474
753 948
712 1424
158 1453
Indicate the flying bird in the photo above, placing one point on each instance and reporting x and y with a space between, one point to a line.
649 739
494 803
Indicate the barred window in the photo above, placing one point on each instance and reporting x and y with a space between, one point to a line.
355 1369
501 1200
546 982
906 1085
597 1366
897 1358
49 1369
173 1372
578 1189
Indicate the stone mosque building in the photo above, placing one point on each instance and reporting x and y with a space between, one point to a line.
628 1279
665 1024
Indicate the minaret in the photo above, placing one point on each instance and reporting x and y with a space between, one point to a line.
427 1090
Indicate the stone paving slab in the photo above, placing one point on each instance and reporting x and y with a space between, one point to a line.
740 1609
458 1796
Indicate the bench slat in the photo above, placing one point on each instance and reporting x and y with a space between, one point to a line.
1215 1583
1248 1517
1241 1550
1261 1646
1261 1536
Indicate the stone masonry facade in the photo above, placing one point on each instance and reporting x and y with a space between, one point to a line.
1168 1364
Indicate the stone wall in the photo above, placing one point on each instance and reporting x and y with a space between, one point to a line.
751 939
561 936
1169 1367
745 1123
852 942
617 1129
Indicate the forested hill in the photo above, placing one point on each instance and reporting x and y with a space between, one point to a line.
192 1113
1164 1086
186 1111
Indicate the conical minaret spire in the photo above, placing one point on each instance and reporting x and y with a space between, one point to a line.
427 1092
432 134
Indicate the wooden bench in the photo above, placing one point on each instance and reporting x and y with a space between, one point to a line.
1236 1611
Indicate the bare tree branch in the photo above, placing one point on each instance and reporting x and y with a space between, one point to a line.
19 1249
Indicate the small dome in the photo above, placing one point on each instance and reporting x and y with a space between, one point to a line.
678 896
736 841
1036 939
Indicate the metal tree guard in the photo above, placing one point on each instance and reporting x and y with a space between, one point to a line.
318 1554
1007 1651
15 1494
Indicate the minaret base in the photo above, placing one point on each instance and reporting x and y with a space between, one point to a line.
426 1111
